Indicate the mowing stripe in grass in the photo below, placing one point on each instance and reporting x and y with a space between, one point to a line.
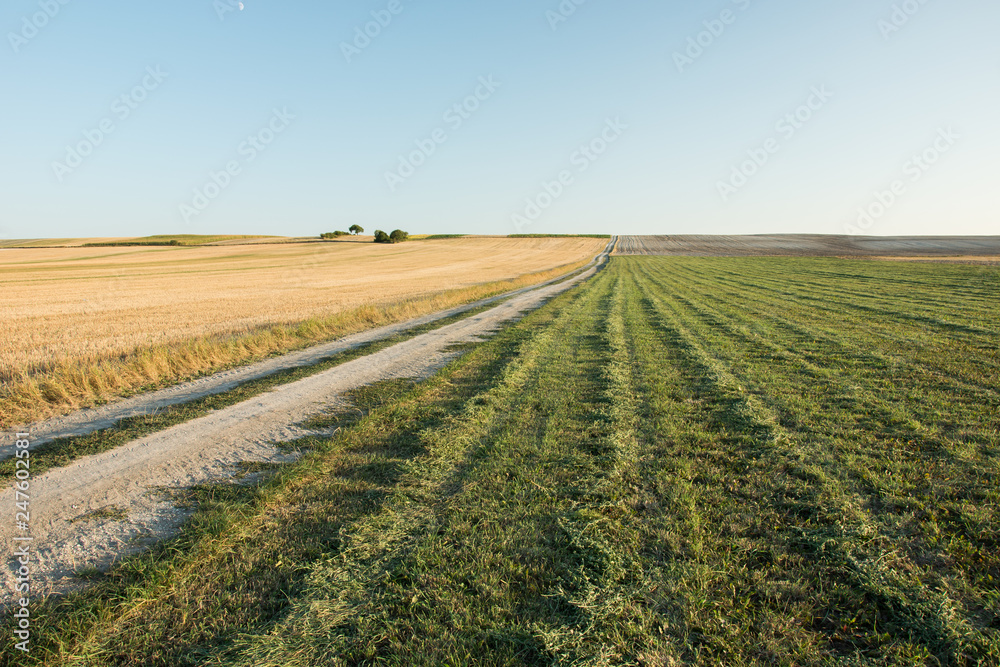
913 345
856 545
350 596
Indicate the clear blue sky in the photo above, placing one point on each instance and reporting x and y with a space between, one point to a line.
673 129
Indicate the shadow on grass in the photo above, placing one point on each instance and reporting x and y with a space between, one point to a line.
247 547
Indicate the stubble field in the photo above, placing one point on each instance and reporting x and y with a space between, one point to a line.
82 324
706 461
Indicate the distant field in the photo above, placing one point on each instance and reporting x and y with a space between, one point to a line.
181 239
81 323
704 461
55 243
546 236
809 245
163 239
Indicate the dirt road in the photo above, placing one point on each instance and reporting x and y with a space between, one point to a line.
808 245
102 507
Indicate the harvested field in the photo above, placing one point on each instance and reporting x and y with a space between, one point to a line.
80 324
808 245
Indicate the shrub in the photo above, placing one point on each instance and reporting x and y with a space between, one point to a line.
332 235
398 236
382 237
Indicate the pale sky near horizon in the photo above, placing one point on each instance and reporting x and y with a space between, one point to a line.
635 116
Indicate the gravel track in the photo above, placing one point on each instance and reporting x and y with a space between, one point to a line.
132 478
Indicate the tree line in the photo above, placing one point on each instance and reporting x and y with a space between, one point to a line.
395 236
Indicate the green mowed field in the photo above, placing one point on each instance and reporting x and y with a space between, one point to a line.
749 461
